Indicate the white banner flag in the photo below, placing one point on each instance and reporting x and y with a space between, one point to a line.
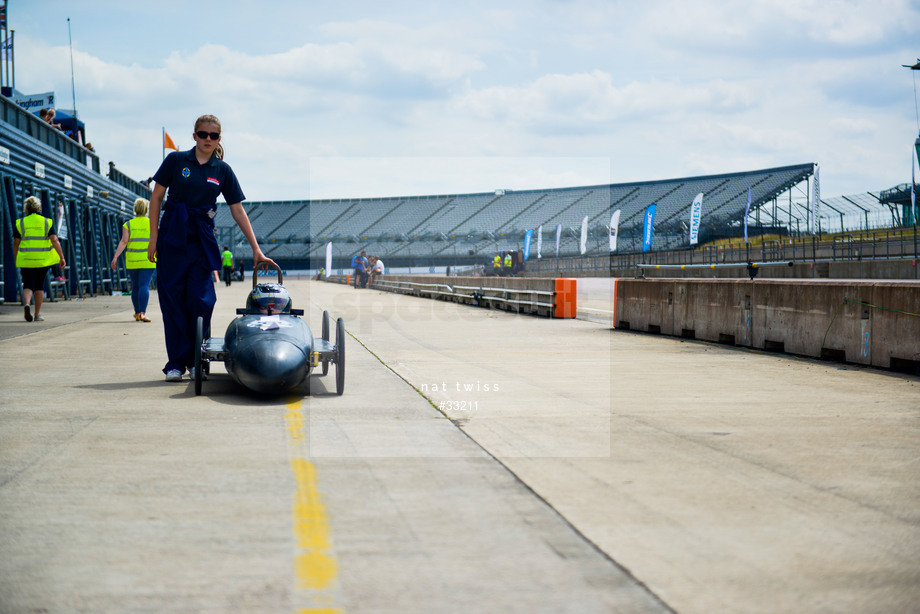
539 241
614 229
584 236
61 222
328 258
696 212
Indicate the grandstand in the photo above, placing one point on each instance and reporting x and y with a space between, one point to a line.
467 228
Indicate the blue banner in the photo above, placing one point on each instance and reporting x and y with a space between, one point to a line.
647 228
527 237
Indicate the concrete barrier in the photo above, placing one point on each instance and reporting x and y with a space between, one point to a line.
890 269
873 323
552 297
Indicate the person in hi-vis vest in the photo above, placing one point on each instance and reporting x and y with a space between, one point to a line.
37 248
135 239
226 258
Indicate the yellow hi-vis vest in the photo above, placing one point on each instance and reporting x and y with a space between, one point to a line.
138 242
35 249
497 261
508 261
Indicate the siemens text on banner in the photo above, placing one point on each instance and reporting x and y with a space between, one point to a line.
614 229
647 228
696 212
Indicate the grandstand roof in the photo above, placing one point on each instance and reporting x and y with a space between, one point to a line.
391 224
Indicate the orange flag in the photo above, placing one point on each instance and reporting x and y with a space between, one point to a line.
168 142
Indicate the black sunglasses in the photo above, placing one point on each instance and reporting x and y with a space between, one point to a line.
203 135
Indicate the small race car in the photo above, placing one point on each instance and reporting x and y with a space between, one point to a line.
269 348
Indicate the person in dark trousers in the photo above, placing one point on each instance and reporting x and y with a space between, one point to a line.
183 243
227 261
363 268
37 248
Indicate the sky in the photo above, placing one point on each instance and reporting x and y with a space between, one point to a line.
376 99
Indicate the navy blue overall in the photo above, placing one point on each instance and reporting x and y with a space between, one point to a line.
187 250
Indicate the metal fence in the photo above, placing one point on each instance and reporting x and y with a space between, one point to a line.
868 245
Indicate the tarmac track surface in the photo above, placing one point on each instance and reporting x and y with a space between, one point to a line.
478 462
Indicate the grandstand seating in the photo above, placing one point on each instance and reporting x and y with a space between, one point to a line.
443 227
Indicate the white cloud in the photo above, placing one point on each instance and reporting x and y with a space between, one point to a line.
591 101
660 88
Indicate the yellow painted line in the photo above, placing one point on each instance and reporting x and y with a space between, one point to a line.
315 567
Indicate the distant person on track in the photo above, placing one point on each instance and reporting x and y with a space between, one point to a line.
37 248
375 268
496 264
518 264
183 245
361 267
227 258
135 242
508 265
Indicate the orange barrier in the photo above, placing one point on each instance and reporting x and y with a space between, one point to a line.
566 298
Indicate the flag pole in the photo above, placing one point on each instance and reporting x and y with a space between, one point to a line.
11 67
73 86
